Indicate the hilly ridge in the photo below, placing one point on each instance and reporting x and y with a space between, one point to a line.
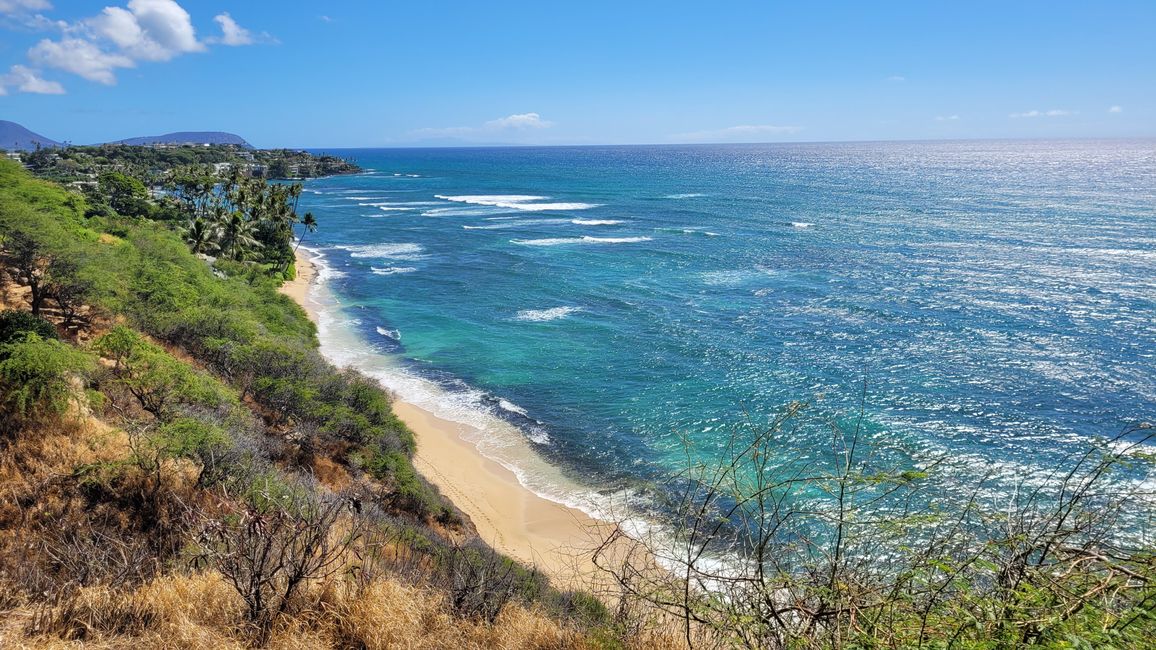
189 137
15 137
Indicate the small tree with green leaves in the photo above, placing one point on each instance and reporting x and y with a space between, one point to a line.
39 379
160 383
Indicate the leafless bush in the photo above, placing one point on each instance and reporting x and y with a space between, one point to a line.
269 550
480 582
781 547
88 556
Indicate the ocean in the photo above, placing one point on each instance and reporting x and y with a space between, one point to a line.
594 310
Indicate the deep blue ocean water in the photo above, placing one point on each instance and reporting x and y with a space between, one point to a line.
995 299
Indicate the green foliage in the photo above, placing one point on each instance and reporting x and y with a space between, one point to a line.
188 438
39 378
161 384
125 194
14 324
408 491
238 327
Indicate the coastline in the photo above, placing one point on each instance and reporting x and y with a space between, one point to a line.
555 538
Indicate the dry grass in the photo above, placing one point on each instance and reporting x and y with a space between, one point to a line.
202 611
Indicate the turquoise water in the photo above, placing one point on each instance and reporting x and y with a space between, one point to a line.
996 299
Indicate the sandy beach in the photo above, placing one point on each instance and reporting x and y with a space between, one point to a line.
516 521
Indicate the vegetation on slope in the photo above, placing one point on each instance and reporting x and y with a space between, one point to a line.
186 435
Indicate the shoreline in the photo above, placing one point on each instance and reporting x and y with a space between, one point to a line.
518 522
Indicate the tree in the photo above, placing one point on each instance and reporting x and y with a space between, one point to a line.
309 224
279 168
69 289
160 383
15 324
127 195
202 235
237 240
38 379
30 262
269 550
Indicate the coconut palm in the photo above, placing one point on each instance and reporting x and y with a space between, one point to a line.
201 236
237 241
309 222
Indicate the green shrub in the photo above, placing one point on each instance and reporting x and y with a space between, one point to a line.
160 383
39 377
188 438
14 324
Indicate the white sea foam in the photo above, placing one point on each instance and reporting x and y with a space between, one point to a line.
325 270
555 207
393 270
692 195
524 202
688 231
560 241
596 222
389 334
399 251
512 407
801 224
542 315
491 199
458 212
517 223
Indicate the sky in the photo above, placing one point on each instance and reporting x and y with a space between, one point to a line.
351 73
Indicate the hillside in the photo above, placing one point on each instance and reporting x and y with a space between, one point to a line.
181 467
15 137
189 137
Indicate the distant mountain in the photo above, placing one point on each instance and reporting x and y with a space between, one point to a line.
14 137
190 137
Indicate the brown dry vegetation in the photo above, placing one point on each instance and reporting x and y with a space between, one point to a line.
102 589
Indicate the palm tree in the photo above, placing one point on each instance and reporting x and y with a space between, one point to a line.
200 235
310 224
295 194
237 241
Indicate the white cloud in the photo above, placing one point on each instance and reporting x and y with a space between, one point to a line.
946 118
121 36
231 32
745 132
80 57
148 30
26 80
1116 109
511 124
23 6
896 78
1055 112
325 19
518 121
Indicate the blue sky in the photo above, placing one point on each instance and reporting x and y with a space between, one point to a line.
426 72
